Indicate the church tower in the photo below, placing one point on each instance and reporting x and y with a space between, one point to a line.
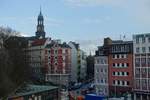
40 33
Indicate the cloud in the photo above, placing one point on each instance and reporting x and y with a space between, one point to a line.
138 10
24 34
92 20
89 45
94 2
52 22
97 20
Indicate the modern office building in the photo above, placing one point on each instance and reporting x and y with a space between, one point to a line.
141 66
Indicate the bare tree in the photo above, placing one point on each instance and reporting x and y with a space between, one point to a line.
14 69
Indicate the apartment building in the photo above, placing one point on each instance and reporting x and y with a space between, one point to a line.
101 75
120 67
58 62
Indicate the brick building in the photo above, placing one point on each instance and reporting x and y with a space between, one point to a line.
119 57
120 60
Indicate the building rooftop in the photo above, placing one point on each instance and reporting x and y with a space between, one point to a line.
63 45
142 35
39 42
32 89
121 42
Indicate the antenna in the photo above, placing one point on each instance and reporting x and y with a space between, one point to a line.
120 36
124 37
40 8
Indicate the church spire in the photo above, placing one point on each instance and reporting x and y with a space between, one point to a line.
40 26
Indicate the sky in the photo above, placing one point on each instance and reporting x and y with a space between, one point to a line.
86 22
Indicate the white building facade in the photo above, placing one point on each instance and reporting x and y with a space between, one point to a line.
74 63
101 75
83 65
141 66
78 63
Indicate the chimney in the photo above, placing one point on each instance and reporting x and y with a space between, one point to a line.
107 41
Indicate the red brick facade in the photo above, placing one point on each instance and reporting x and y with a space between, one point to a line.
129 78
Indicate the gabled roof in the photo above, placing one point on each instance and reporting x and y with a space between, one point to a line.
38 42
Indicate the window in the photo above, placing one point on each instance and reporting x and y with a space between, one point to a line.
97 70
137 39
122 64
127 82
137 62
149 39
113 56
55 58
113 64
118 74
148 60
56 64
49 51
118 65
55 51
144 83
101 70
118 82
117 56
143 49
143 39
122 73
143 61
127 64
122 56
127 73
137 50
137 71
97 61
122 82
114 73
149 49
114 82
105 70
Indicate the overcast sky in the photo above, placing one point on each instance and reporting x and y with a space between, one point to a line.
83 21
